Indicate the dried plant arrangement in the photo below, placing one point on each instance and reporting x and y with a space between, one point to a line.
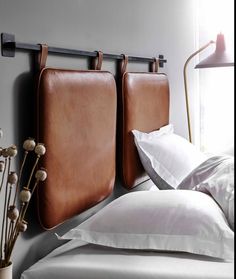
15 197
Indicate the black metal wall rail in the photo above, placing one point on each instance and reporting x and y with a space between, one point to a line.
9 47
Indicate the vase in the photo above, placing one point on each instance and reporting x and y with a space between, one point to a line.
6 272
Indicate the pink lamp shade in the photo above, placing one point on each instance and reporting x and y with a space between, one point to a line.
220 58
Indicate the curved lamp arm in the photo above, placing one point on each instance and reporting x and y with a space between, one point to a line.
186 87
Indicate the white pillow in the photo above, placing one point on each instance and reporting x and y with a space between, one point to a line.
167 157
183 220
215 176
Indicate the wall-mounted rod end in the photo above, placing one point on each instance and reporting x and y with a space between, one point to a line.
8 45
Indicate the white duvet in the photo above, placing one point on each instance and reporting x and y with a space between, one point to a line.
74 260
215 176
77 259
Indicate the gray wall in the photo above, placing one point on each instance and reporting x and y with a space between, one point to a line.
134 27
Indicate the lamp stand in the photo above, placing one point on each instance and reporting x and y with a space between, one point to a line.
186 87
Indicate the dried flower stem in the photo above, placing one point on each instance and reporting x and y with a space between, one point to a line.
10 231
20 174
14 230
32 171
3 175
27 204
24 205
7 207
12 221
10 247
4 217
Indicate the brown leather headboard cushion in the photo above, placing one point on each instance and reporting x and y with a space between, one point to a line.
145 107
77 124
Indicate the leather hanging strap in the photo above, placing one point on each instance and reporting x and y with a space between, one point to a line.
124 64
98 59
43 54
155 65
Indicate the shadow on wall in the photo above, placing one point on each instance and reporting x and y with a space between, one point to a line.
24 108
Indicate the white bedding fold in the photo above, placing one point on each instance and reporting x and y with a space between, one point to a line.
73 261
215 176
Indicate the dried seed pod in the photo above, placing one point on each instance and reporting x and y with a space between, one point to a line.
29 144
5 152
1 151
12 213
25 195
22 226
12 178
2 166
41 174
12 151
40 149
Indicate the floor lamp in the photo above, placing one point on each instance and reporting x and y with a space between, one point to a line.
218 59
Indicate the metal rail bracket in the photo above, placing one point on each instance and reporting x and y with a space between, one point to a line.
8 45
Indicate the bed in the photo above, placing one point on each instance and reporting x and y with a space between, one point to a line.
165 233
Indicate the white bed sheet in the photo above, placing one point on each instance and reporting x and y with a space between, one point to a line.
89 261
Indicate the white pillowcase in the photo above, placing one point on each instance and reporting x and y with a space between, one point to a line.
167 157
183 220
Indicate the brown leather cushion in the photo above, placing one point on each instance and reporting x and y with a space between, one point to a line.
145 106
77 124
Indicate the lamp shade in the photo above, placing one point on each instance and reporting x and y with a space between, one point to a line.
219 58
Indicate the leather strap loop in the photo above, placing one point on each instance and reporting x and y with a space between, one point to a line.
99 58
124 63
155 65
43 54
